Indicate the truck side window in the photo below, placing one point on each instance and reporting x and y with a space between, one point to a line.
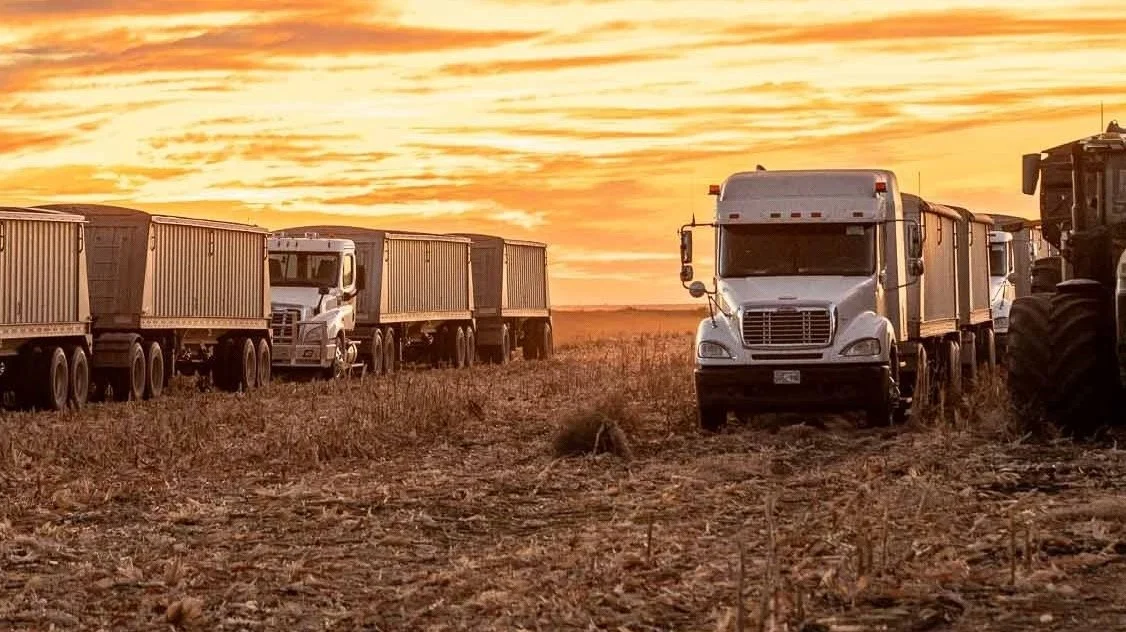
349 270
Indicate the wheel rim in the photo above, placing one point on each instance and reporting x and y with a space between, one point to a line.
377 353
459 348
470 348
389 353
249 365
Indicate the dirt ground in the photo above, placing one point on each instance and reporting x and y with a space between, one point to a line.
434 501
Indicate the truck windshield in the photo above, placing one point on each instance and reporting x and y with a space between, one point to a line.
797 249
304 269
998 260
1116 188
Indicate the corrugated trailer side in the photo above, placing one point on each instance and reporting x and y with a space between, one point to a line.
932 303
513 304
170 290
425 277
973 267
45 328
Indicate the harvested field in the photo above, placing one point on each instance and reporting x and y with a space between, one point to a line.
435 501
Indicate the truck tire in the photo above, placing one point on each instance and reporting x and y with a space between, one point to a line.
969 359
504 354
376 355
128 383
265 362
1046 274
154 370
952 370
987 350
1028 357
390 357
458 356
470 347
920 385
712 418
221 370
530 347
54 379
882 413
79 378
1085 383
547 342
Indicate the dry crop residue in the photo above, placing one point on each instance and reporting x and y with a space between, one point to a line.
434 501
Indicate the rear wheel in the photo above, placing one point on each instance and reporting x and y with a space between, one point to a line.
547 342
1085 382
54 379
531 345
1028 357
376 355
128 383
505 352
459 348
953 370
154 370
987 350
390 358
921 384
969 359
247 365
265 364
79 378
470 347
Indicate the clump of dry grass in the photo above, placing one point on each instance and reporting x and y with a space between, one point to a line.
596 429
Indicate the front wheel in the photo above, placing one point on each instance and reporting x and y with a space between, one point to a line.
712 417
1028 357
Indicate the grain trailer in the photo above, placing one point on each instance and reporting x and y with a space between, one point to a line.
172 294
45 323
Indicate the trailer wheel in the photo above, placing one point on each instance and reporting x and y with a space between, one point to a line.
921 385
55 379
547 342
531 343
265 363
459 348
154 370
953 370
470 347
79 378
1085 380
1028 357
504 354
987 354
969 359
247 365
389 359
221 372
128 383
376 355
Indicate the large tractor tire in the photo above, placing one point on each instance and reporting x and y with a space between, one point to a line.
1028 358
1085 382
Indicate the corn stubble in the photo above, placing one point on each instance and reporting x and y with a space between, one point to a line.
572 494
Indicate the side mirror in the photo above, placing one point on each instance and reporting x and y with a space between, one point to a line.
686 246
323 291
685 273
914 241
697 289
915 267
361 279
1030 172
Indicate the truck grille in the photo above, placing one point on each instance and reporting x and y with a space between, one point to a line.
796 326
283 322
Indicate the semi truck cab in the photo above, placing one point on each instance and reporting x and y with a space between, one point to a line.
314 283
808 312
1002 287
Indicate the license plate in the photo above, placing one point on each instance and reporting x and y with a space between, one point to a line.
787 377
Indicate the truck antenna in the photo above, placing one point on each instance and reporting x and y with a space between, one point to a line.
1102 116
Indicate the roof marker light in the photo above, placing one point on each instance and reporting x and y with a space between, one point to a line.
775 215
858 214
815 214
795 214
713 189
732 216
881 186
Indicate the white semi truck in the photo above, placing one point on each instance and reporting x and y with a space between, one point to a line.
1002 282
820 298
384 297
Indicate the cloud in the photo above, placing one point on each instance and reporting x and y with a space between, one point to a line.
13 142
947 24
265 146
545 64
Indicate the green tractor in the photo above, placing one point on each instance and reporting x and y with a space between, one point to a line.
1067 354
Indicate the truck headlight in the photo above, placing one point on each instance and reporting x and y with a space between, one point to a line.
712 349
862 347
311 335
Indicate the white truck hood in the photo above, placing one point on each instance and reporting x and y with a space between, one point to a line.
304 299
851 295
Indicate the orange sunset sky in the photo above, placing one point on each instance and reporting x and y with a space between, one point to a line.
593 125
